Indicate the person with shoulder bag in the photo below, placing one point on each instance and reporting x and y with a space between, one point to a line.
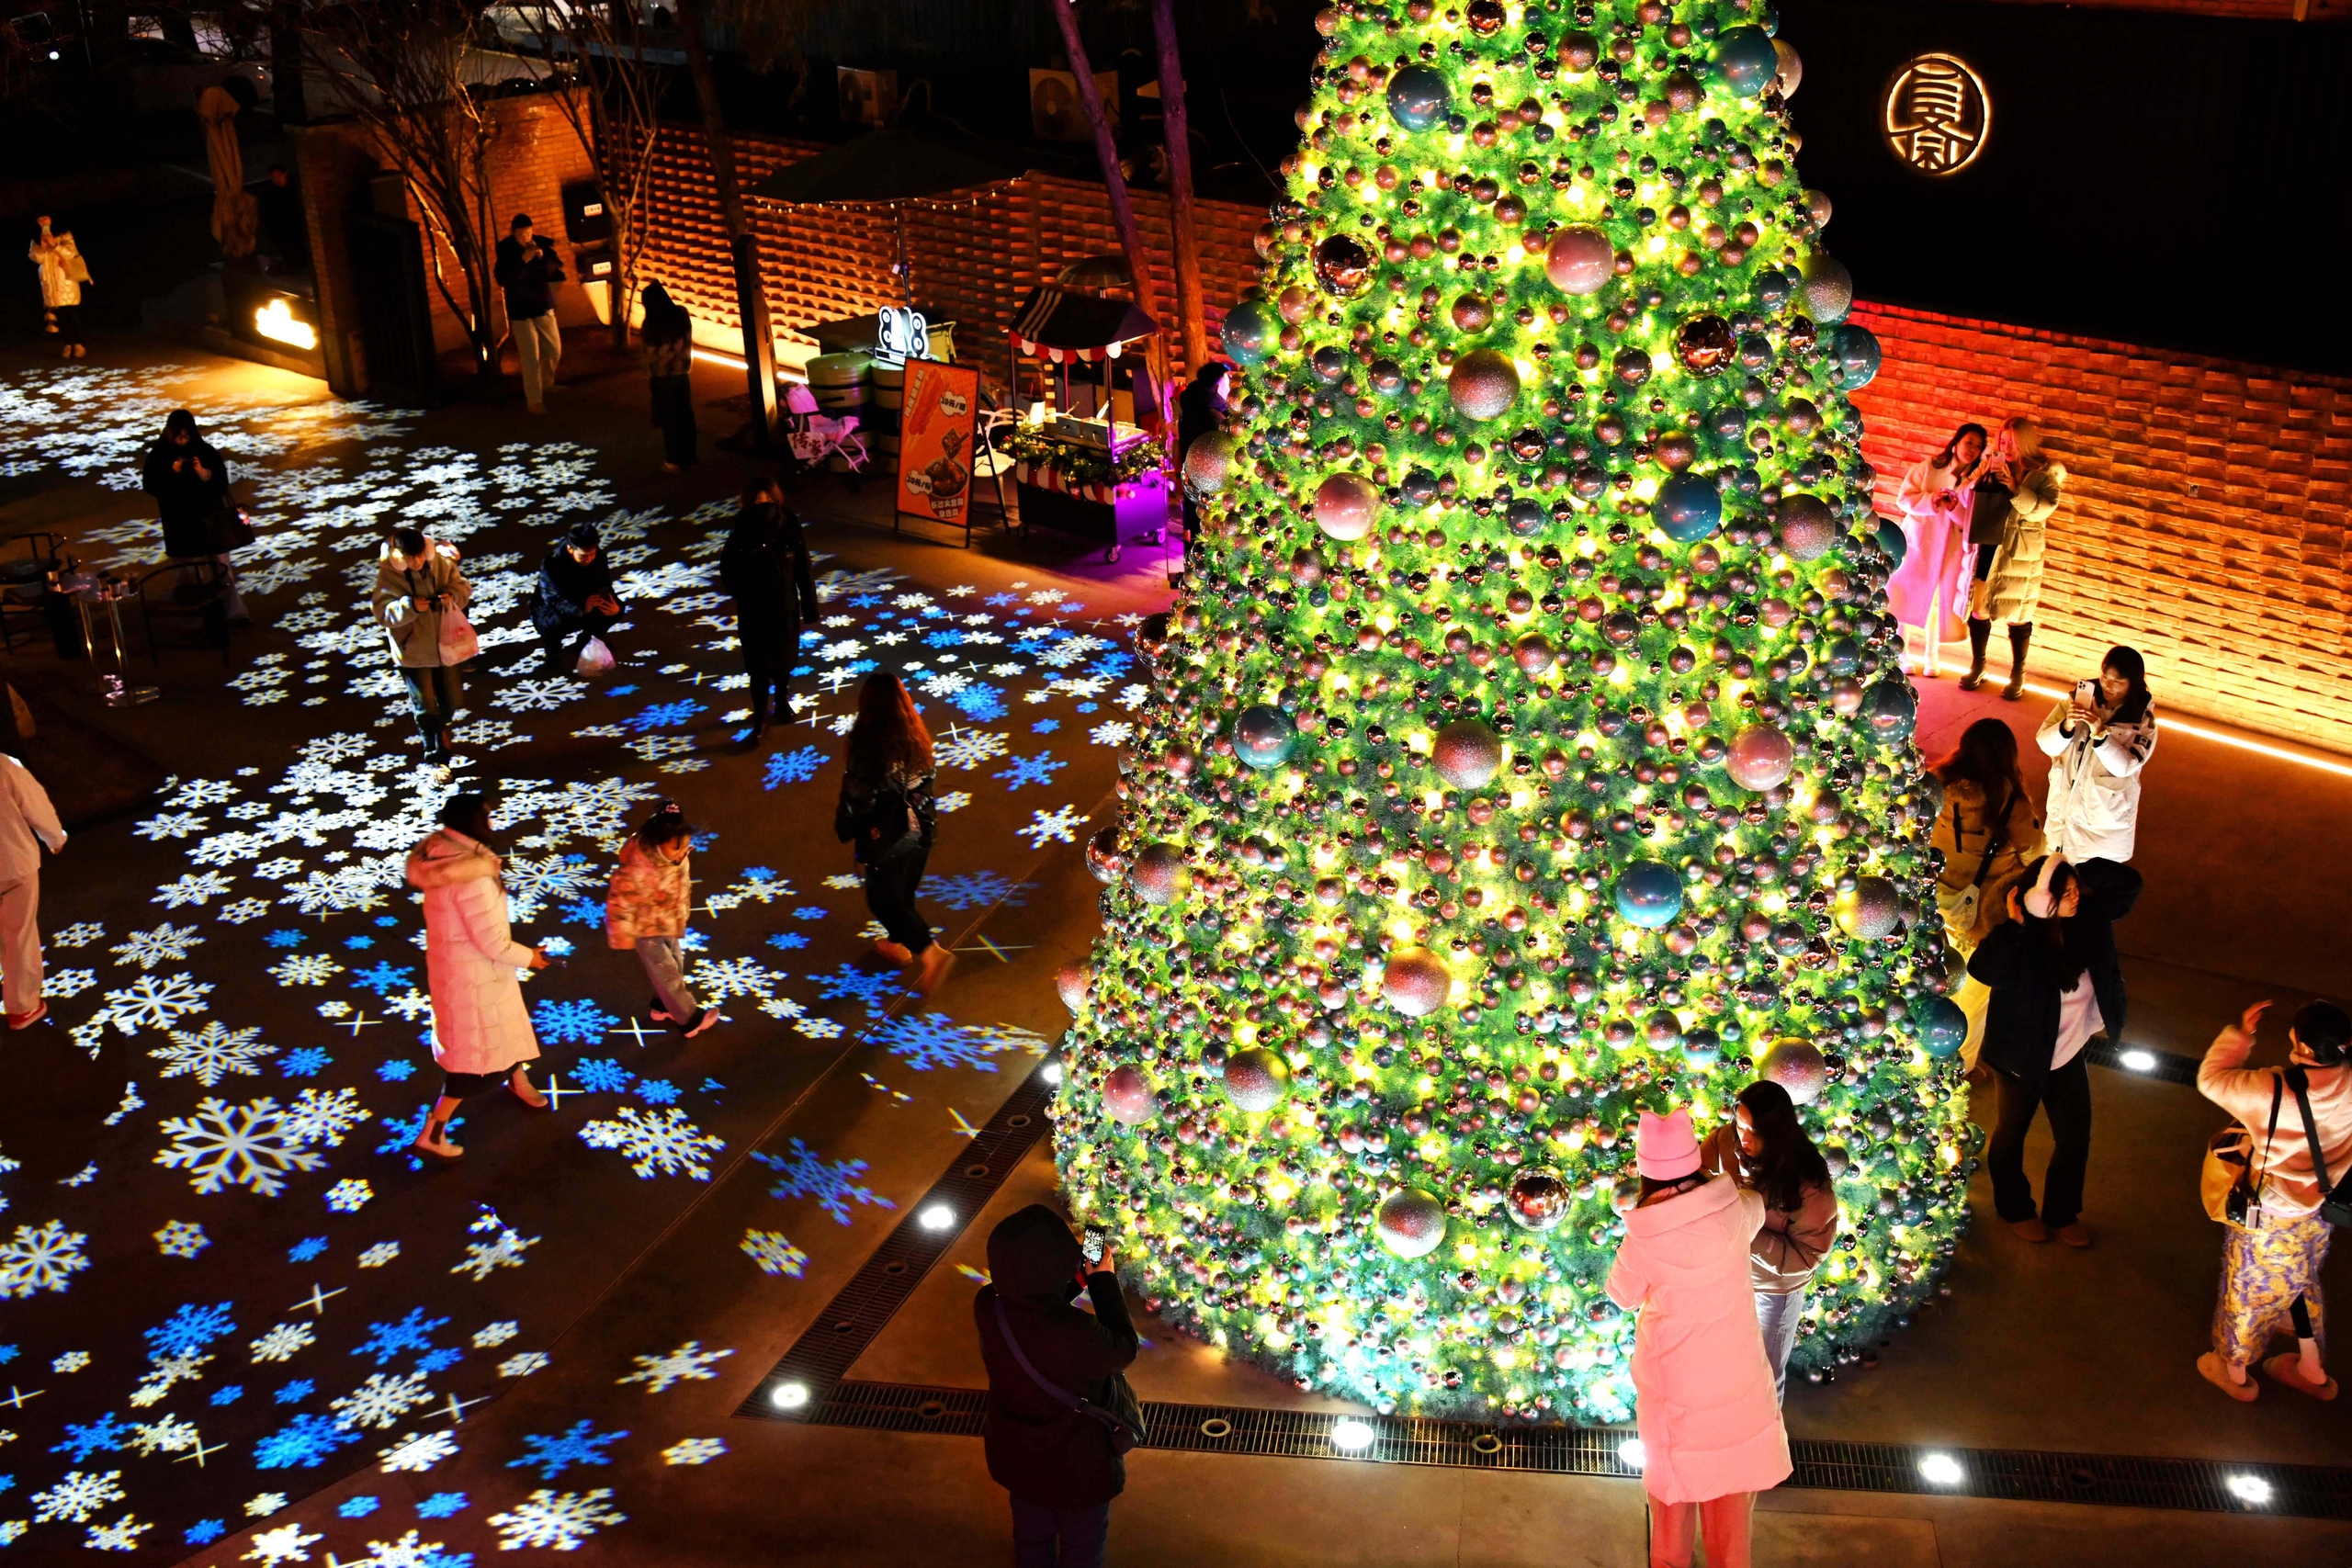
2010 529
1988 833
1766 1149
189 479
1060 1415
2280 1199
886 816
420 601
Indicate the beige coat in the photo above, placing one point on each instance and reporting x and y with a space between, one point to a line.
1962 833
59 260
1791 1243
25 815
2013 591
414 633
480 1024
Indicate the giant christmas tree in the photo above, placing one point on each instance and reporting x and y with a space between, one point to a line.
1529 745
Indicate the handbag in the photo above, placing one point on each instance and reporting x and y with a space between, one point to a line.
1124 1429
2336 1199
1988 514
2226 1183
228 528
1965 903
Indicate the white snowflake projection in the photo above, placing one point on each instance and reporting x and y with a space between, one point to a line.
60 984
150 1003
169 1370
376 1257
1059 826
280 1343
694 1450
169 824
40 1258
719 978
349 1195
1111 732
416 1451
324 1116
523 1365
490 1336
558 1520
689 1362
305 969
78 1496
225 1145
773 1253
245 910
408 1552
663 1143
193 887
539 696
505 1251
211 1053
70 1361
180 1238
381 1401
285 1543
261 1505
120 1536
81 934
169 1435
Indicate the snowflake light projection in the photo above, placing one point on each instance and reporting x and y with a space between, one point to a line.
688 1363
803 1173
558 1520
212 1053
552 1454
773 1253
224 1146
656 1144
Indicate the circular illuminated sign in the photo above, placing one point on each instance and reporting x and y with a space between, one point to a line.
1936 114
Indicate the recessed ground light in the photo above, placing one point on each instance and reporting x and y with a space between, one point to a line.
938 1217
1350 1436
2251 1490
789 1396
1632 1455
1053 1072
1940 1469
2138 1061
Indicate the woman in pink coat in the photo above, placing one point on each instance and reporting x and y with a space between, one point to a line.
1712 1437
1929 590
481 1031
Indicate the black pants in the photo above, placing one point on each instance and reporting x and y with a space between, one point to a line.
673 410
434 694
2066 1095
890 885
464 1086
69 323
769 651
560 644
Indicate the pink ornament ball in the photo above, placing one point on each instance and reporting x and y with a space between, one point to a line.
1073 980
1871 910
1483 384
1759 758
1467 753
1345 505
1128 1094
1534 653
1158 874
1104 859
1579 259
1256 1079
1412 1223
1416 982
1796 1066
1808 528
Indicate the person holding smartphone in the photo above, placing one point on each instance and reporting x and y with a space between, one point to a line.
417 582
1930 589
63 274
2098 739
528 269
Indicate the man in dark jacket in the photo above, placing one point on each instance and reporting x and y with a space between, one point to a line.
766 568
1058 1462
575 600
528 269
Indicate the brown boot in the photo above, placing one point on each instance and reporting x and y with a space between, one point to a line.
524 1090
2018 637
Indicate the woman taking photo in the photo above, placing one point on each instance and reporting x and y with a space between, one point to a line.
645 913
1930 586
2009 575
2098 739
1765 1149
481 1032
2057 983
1712 1437
1989 834
885 815
190 481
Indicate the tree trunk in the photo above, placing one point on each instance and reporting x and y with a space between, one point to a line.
1123 212
286 62
750 296
1179 187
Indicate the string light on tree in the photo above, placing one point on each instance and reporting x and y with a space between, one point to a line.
1530 746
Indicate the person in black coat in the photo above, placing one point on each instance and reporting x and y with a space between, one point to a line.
575 600
2057 983
1058 1464
190 481
766 568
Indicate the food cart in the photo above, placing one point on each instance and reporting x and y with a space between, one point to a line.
1081 470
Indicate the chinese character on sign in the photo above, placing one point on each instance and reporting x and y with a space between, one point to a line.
1937 113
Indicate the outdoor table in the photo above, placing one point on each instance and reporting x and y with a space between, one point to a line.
116 686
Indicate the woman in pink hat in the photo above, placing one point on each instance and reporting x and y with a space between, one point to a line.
1710 1429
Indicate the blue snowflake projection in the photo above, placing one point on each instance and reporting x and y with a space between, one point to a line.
926 1040
570 1024
792 767
975 890
804 1173
663 716
440 1360
441 1505
305 1442
601 1074
872 987
309 1246
284 938
190 1329
386 1341
398 1070
360 943
229 1395
359 1508
384 978
401 1131
582 913
204 1532
657 1091
979 702
1045 726
295 1393
552 1456
1037 770
788 941
106 1435
303 1061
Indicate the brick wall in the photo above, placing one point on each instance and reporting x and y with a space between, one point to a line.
2205 517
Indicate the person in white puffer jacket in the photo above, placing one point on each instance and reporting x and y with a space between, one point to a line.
2098 738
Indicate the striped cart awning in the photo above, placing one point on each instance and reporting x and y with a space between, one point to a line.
1076 328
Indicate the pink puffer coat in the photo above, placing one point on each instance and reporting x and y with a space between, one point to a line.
1709 1424
480 1024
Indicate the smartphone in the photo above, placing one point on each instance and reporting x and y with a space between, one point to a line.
1094 1242
2087 693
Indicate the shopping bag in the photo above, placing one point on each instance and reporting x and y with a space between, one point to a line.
458 642
595 659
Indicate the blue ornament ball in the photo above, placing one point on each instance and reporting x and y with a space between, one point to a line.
1943 1028
1745 59
1891 539
1649 894
1263 737
1853 356
1890 708
1417 98
1689 507
1702 1047
1252 329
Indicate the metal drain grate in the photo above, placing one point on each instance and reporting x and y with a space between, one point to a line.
2165 1067
2014 1475
852 1319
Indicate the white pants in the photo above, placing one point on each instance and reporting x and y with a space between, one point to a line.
540 347
20 976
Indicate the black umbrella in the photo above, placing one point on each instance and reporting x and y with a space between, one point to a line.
885 168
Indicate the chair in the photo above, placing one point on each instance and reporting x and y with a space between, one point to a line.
25 592
993 459
193 593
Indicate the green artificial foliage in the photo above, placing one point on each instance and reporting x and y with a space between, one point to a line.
1528 744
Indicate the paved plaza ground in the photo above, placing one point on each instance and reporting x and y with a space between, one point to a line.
247 1325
